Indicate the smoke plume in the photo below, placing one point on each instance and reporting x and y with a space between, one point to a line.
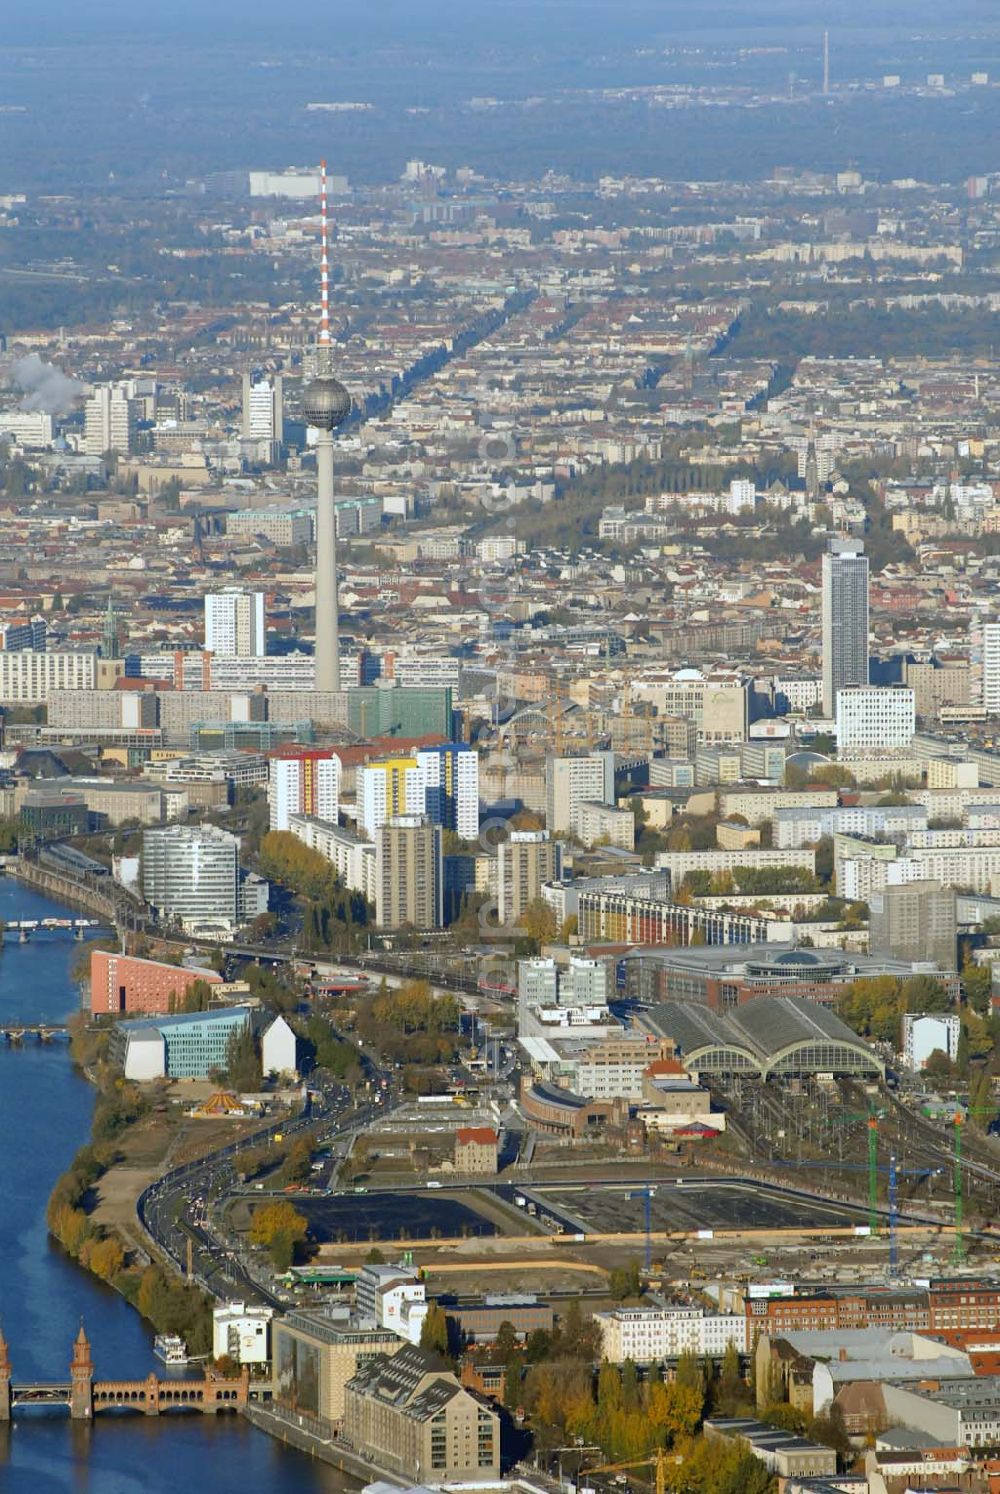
43 385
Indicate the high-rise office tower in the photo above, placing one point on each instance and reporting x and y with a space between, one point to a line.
845 620
408 873
915 921
326 404
441 782
263 409
191 872
109 421
234 624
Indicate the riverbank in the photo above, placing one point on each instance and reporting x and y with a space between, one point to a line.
309 1437
111 1253
64 889
46 1106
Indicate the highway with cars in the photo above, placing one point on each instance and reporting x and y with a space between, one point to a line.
183 1211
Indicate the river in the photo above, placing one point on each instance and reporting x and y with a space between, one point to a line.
45 1109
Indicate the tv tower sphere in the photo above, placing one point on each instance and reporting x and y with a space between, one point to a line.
325 402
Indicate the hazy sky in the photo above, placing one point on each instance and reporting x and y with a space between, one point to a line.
159 93
566 23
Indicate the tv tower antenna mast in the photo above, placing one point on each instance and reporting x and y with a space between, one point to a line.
826 62
326 405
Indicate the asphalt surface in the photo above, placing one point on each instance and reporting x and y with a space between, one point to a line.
691 1206
350 1217
185 1205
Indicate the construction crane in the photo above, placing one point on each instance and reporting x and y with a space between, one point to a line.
873 1173
646 1193
958 1250
895 1173
873 1168
958 1253
658 1460
871 1119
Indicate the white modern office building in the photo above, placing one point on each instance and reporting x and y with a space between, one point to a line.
991 667
870 719
263 409
392 787
571 782
393 1297
191 873
32 429
109 421
925 1033
440 782
242 1332
450 777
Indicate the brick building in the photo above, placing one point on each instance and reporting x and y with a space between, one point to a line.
958 1311
122 983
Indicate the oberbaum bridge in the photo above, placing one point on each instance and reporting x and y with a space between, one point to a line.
85 1396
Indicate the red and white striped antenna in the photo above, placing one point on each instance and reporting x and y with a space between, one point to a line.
324 263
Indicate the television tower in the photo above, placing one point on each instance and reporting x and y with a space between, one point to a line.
326 405
826 62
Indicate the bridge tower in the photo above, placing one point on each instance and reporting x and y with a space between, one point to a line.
81 1375
4 1379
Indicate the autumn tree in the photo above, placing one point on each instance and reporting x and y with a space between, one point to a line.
539 922
625 1281
873 1007
281 1229
434 1330
505 1342
720 1466
104 1257
690 1372
243 1067
977 983
729 1392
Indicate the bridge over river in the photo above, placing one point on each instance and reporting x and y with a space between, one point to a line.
14 1034
25 927
84 1396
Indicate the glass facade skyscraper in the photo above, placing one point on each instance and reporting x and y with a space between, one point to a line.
845 620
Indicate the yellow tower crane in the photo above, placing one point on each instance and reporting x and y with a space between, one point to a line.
658 1460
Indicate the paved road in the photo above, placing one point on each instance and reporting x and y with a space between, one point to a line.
183 1209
